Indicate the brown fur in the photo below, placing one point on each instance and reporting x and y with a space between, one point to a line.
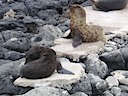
40 63
87 33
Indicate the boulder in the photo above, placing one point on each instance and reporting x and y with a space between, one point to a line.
95 66
46 35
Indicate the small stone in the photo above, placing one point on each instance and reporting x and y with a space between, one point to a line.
116 91
112 81
79 94
107 93
124 94
93 78
124 88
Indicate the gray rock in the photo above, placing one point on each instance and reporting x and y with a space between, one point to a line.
99 88
110 46
63 28
13 55
19 8
113 59
1 39
124 88
6 80
17 44
3 62
34 6
2 52
116 91
3 9
12 34
46 35
124 94
93 78
107 93
10 24
79 94
76 1
46 91
96 66
82 86
124 52
87 3
112 81
44 14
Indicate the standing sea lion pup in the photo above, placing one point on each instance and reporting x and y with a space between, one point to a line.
80 31
40 63
108 5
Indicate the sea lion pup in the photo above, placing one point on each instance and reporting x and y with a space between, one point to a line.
80 31
41 63
108 5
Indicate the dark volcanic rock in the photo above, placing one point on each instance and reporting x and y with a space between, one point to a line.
82 86
12 34
3 9
17 44
13 55
99 87
46 35
44 14
76 1
114 60
1 39
6 80
10 24
96 66
19 8
2 52
35 6
124 52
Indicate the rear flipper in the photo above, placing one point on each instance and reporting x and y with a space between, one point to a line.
65 71
62 70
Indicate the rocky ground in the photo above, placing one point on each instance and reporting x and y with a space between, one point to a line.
25 23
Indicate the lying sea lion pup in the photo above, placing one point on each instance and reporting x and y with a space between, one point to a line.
41 63
108 5
80 31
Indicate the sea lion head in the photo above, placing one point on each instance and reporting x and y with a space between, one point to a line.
77 10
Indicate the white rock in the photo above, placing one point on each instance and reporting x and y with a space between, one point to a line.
55 79
64 47
112 81
121 76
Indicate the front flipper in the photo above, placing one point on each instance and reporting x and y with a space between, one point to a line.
62 70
